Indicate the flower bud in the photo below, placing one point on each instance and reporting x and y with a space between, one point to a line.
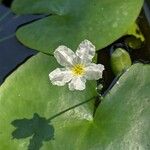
120 61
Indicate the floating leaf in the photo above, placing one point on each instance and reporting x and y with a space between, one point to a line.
28 91
72 21
121 122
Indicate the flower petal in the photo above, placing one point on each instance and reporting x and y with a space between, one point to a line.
86 51
64 56
77 83
94 71
60 76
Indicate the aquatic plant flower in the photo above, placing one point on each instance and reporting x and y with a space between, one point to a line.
78 66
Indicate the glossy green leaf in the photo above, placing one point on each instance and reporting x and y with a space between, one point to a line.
28 91
123 118
121 121
72 21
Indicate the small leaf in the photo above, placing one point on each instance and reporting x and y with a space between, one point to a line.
135 38
133 42
135 31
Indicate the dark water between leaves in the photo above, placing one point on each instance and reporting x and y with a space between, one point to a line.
7 3
141 54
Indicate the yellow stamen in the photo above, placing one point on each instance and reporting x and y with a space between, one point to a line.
78 69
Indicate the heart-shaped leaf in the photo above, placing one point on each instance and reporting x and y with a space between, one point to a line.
72 21
121 122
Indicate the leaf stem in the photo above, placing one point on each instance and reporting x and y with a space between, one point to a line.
64 111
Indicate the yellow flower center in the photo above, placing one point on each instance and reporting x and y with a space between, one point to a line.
78 69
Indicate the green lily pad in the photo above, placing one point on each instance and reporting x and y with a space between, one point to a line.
72 21
121 121
28 91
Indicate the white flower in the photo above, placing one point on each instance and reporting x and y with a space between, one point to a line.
78 66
